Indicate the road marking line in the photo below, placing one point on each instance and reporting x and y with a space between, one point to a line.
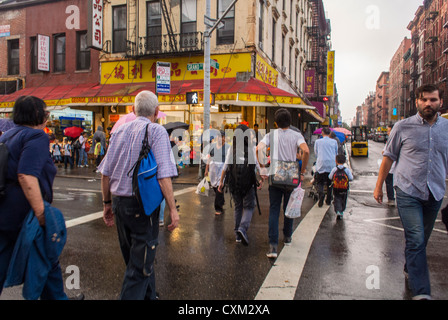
283 278
375 221
98 215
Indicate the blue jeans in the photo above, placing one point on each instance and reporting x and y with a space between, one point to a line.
275 200
138 236
82 156
244 209
418 218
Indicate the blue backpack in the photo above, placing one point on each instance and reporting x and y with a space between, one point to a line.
145 185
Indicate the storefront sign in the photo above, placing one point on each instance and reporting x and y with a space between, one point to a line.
95 24
146 70
265 72
330 73
43 53
310 76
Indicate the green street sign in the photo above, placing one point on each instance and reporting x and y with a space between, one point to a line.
195 66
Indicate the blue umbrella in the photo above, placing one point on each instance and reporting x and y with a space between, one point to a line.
340 136
6 124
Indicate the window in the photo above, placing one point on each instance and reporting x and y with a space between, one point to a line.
59 52
13 57
33 41
261 24
119 29
82 52
226 35
153 26
188 23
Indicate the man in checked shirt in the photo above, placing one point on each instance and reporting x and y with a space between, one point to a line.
419 146
137 233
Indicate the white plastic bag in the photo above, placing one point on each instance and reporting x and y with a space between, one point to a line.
294 207
203 188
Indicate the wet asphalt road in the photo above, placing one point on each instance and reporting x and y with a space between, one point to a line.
201 260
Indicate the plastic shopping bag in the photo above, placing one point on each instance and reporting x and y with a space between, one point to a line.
203 188
294 207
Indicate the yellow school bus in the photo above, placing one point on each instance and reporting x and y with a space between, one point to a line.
360 143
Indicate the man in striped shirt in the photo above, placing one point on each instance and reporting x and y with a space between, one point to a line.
137 233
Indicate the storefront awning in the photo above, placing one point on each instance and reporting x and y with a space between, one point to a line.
227 91
315 115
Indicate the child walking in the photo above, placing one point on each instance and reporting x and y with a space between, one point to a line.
340 175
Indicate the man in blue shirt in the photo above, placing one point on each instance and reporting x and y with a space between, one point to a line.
325 150
419 147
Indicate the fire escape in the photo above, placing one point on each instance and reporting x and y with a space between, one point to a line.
155 42
319 32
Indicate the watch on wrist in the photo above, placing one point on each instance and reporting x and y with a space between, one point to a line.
107 202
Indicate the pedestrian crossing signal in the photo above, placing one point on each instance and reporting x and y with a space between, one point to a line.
192 98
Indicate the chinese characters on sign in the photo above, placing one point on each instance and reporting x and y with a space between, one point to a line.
95 24
330 73
266 73
309 82
43 53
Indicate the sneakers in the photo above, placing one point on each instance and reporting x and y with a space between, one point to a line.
339 215
287 241
243 237
391 203
272 254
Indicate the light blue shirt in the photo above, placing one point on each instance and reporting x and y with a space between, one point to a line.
421 154
325 150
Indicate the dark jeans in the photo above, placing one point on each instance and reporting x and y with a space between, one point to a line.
418 218
69 160
219 200
390 187
322 181
276 195
340 200
54 286
138 237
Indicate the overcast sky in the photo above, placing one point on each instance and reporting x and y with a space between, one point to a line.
365 35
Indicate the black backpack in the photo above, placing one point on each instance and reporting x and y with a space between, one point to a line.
241 178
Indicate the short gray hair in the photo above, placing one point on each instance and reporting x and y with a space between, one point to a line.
146 103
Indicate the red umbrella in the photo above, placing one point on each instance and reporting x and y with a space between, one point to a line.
73 132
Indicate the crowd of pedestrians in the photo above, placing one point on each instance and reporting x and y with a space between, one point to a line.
416 148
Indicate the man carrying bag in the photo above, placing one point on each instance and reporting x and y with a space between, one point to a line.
133 224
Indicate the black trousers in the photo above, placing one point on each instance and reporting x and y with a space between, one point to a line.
322 181
219 200
340 200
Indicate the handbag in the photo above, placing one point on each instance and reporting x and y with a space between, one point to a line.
294 207
284 174
145 185
203 188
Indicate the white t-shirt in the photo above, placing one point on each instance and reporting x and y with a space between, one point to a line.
286 142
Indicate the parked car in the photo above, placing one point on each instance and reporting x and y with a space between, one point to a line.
380 137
